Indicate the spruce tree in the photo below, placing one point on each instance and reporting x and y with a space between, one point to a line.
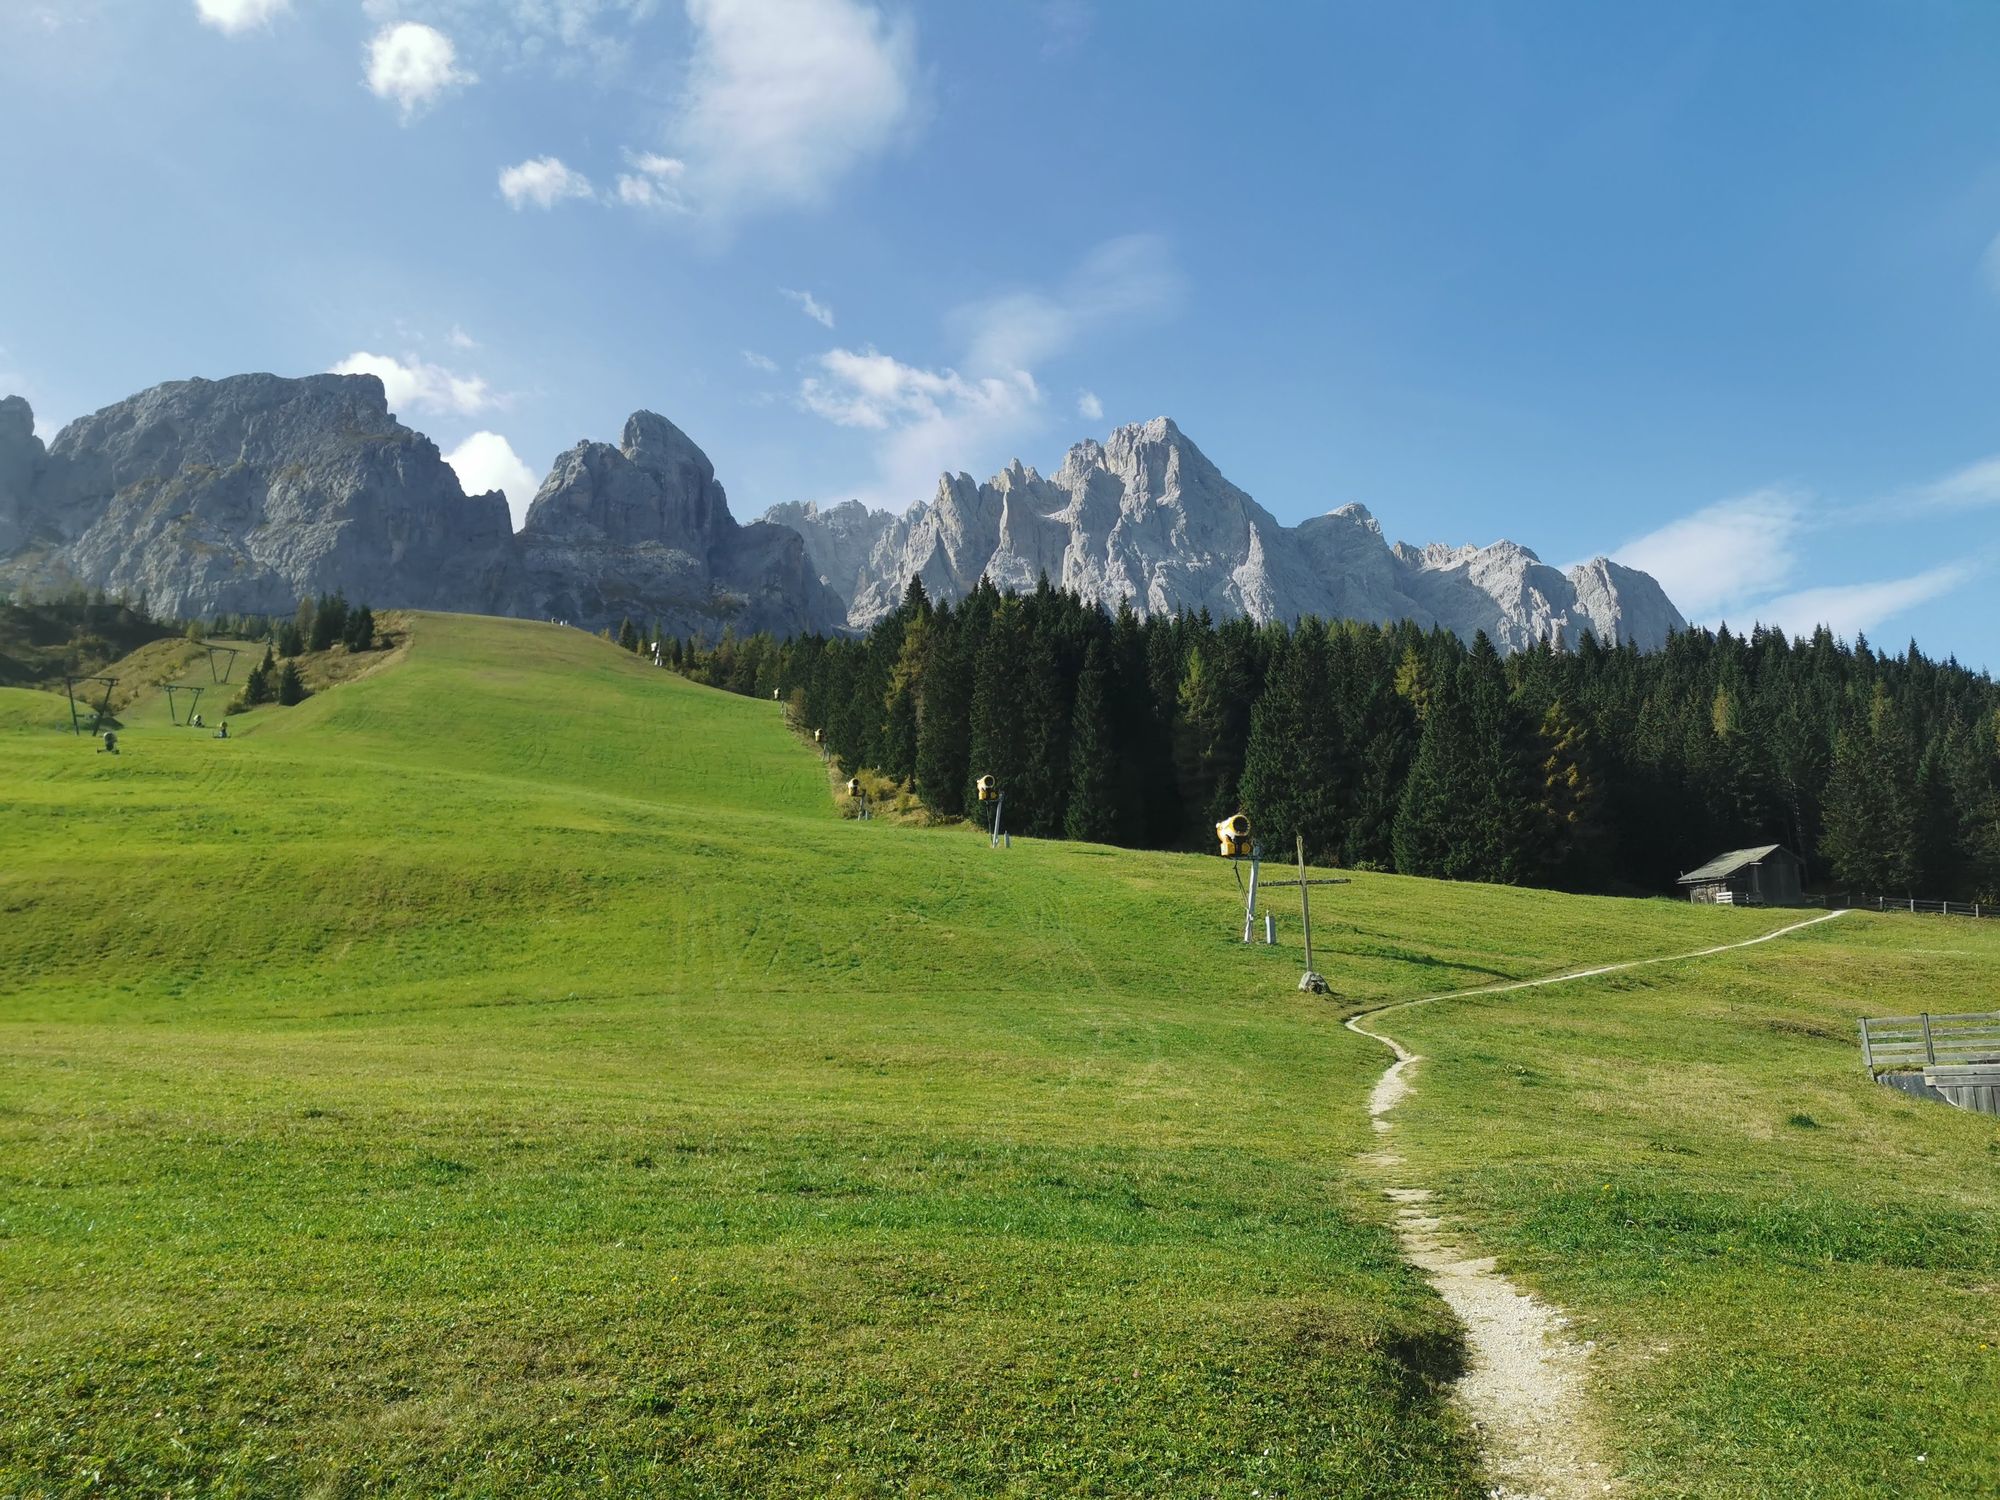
998 735
1293 771
329 621
1872 821
360 635
628 634
1046 708
1092 815
258 686
291 687
944 729
1432 836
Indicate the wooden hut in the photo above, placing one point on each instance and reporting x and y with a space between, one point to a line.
1770 875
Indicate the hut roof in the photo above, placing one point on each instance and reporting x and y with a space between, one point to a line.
1725 865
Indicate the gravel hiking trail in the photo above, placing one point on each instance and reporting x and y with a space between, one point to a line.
1524 1387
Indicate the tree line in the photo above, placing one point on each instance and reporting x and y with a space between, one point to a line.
1598 768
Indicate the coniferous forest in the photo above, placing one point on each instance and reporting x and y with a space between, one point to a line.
1392 748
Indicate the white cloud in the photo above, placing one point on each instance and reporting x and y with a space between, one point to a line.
1089 407
568 37
414 65
946 419
1851 609
785 97
1973 485
810 305
653 182
413 385
1715 561
934 420
487 461
759 362
1121 282
232 16
460 339
541 182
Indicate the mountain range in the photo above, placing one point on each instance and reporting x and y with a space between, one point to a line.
1145 516
245 494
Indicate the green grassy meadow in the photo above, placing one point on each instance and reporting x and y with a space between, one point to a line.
1792 1273
507 1072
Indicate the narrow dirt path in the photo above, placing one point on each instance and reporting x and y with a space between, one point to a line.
1525 1385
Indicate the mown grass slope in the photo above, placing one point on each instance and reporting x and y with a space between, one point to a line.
507 1072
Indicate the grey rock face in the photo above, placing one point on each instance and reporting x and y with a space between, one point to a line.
1145 516
643 529
845 542
247 494
22 459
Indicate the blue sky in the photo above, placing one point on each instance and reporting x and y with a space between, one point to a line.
1710 287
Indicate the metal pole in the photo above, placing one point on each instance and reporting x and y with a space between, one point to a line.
999 809
1270 930
1305 905
1250 900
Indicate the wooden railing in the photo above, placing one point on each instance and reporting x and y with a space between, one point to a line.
1926 1041
1905 903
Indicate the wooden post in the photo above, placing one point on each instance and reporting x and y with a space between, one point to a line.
1305 905
1930 1051
1867 1048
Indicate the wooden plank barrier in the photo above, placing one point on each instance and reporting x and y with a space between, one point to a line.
1927 1041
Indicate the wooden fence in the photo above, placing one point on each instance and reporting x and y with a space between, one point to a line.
1905 903
1927 1041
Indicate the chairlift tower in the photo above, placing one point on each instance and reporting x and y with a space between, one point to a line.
193 690
218 675
98 712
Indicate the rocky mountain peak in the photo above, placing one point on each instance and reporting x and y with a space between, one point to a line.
655 486
1145 515
245 494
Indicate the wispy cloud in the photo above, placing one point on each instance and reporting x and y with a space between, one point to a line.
1856 608
763 364
1124 281
653 182
566 37
810 305
947 418
487 461
542 182
1974 485
233 16
933 420
786 97
1714 563
413 385
414 66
